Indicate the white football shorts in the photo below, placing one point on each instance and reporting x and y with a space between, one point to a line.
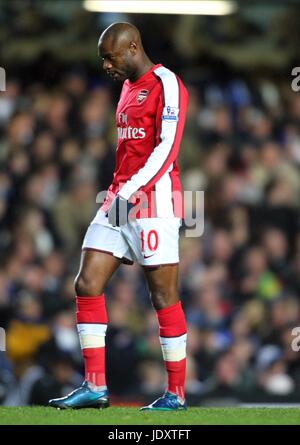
149 241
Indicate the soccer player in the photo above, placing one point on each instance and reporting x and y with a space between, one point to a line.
139 219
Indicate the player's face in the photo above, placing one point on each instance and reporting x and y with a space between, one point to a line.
116 61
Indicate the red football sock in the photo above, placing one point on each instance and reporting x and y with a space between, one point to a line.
92 324
172 335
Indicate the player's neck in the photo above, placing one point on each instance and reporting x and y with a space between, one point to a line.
144 66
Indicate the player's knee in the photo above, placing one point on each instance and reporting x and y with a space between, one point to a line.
162 298
86 285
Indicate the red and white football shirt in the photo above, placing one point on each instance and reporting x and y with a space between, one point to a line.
150 119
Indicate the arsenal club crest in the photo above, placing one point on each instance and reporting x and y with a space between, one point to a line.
141 96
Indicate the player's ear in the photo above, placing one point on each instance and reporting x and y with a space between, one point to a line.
133 48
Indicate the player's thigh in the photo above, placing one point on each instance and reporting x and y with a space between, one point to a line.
97 267
163 284
98 261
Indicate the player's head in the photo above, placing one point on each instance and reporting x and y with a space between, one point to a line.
120 49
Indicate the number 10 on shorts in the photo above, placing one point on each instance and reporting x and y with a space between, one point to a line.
151 240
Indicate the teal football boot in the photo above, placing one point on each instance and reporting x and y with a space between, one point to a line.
168 402
82 397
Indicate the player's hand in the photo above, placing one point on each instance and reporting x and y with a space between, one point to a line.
119 211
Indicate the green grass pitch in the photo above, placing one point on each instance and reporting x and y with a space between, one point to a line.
131 416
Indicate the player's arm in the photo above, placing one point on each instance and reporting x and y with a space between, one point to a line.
170 118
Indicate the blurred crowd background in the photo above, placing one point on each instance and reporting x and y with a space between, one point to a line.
239 282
